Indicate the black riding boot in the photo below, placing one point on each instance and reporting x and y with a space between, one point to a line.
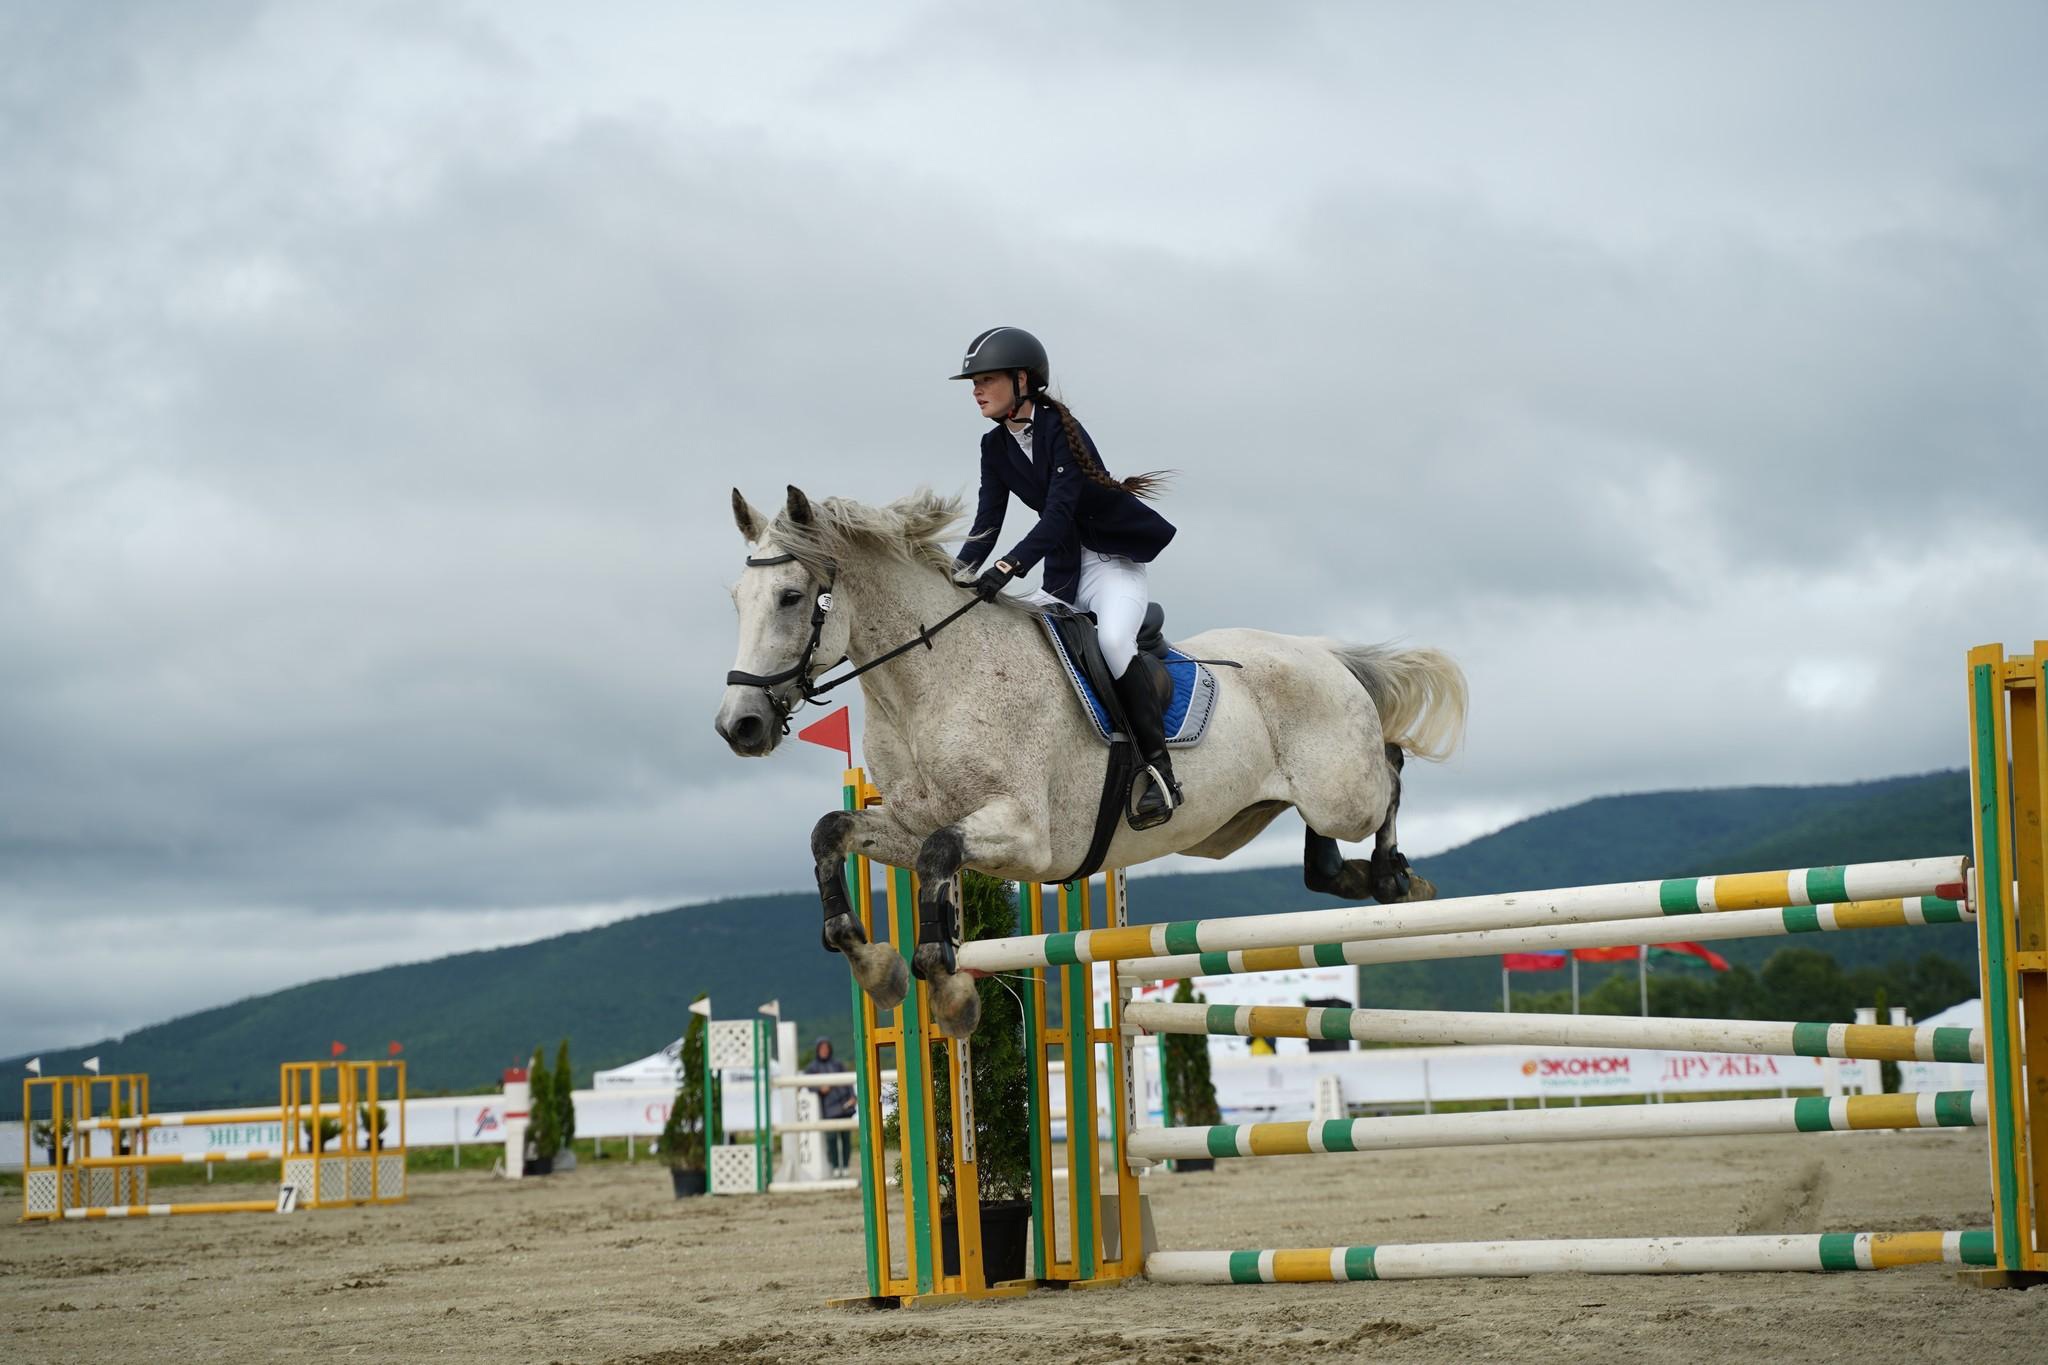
1143 689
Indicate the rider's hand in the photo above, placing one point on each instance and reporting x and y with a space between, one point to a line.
992 580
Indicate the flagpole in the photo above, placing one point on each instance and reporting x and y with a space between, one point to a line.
1643 978
1506 1005
1575 983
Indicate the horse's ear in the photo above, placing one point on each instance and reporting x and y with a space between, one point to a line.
746 517
799 509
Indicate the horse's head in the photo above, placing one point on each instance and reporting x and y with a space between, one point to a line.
789 634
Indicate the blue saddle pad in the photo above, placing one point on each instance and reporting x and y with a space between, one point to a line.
1187 712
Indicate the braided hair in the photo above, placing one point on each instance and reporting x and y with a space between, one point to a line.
1147 485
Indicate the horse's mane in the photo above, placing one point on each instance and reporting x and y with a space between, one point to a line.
912 530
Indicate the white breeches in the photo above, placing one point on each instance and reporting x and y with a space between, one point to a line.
1114 589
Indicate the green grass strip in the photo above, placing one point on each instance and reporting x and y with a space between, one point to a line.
1952 1045
1827 885
1679 896
1810 1114
1358 1263
1952 1109
1838 1251
1810 1040
1244 1267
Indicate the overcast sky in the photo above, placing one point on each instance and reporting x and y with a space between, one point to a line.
372 377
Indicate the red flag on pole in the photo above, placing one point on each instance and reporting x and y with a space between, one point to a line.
833 732
336 1049
396 1047
1532 962
1700 951
1628 954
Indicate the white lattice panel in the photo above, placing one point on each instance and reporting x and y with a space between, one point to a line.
729 1045
733 1170
100 1187
391 1176
361 1171
40 1194
298 1172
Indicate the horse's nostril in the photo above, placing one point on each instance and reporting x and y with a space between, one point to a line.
748 731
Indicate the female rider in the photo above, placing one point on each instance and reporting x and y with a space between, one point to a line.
1093 533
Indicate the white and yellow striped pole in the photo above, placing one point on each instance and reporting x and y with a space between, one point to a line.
1588 1256
1715 1118
1876 1042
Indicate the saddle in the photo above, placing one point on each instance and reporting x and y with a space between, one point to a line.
1074 640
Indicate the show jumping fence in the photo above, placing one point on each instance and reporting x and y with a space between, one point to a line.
2002 891
86 1143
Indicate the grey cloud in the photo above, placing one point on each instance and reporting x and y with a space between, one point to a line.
376 379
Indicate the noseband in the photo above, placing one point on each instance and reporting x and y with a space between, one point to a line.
800 671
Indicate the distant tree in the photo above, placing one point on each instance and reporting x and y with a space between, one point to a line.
565 1102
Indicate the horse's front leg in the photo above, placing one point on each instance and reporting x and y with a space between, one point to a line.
878 968
1000 834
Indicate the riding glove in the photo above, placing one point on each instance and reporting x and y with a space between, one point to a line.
992 580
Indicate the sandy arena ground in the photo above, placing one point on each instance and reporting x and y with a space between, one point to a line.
602 1265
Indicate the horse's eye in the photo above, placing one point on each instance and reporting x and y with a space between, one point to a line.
790 597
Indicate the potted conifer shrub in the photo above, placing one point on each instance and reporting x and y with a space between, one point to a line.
543 1134
682 1136
1190 1092
565 1110
1002 1096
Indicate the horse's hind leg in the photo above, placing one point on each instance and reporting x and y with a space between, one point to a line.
1392 878
1386 878
877 967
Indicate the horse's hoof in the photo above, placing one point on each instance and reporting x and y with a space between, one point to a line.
881 972
1420 888
1354 883
933 960
956 1005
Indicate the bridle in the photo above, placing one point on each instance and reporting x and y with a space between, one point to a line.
800 671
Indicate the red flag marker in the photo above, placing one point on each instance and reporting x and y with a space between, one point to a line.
336 1049
1532 962
396 1047
833 732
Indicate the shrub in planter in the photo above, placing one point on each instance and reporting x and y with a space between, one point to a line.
543 1135
1190 1092
1002 1094
682 1136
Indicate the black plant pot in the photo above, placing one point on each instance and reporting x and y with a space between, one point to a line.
1005 1229
1182 1165
687 1183
541 1165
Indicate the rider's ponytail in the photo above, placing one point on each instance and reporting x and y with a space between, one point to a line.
1148 485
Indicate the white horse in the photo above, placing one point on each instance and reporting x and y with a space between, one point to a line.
984 756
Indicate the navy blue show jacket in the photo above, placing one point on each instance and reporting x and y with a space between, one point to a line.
1074 511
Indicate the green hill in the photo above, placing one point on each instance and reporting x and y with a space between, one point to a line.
620 991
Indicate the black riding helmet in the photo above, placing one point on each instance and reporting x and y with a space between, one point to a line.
1003 350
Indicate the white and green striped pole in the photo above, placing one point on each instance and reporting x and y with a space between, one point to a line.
1876 1042
1715 1118
1806 919
1589 1256
1687 896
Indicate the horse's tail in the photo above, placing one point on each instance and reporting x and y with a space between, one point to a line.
1420 694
